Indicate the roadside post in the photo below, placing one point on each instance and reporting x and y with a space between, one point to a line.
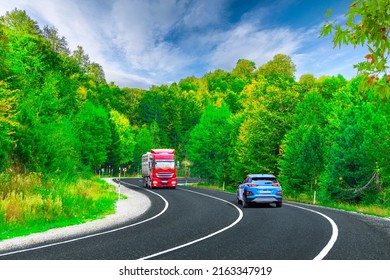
223 186
119 184
315 188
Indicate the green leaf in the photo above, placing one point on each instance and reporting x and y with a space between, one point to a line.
329 12
326 29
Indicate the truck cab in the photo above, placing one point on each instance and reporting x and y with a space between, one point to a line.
158 168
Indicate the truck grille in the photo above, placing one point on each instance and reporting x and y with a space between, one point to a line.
164 175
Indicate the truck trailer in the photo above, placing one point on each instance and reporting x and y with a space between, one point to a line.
158 169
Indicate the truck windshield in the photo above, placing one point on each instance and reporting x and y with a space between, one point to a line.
165 164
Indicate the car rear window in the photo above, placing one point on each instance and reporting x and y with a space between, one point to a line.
264 179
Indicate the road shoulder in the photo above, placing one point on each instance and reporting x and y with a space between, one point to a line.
126 210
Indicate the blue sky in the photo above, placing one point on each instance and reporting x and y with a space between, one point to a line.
141 43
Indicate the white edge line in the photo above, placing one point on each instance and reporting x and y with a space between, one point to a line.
320 256
333 239
96 234
204 237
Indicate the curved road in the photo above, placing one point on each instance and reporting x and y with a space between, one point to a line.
191 223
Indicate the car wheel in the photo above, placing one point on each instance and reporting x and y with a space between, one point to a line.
279 204
244 203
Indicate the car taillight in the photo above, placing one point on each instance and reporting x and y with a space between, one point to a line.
251 185
276 184
248 193
279 193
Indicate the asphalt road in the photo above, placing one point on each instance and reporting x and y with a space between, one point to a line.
197 224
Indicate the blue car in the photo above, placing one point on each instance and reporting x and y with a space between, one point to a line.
259 188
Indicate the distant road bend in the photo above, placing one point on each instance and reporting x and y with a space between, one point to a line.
191 223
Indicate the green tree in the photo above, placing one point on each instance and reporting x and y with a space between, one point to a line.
58 44
358 140
303 160
125 145
183 113
155 132
8 122
244 69
377 144
350 166
129 100
28 58
143 144
307 82
94 132
151 106
217 82
208 146
281 64
3 53
82 59
189 84
368 25
267 117
96 73
19 22
60 147
33 68
303 149
328 86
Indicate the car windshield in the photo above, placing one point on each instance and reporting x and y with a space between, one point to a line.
165 164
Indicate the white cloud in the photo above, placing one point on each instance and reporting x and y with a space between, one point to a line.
119 37
140 28
329 61
248 41
77 21
125 79
319 57
204 13
142 31
145 42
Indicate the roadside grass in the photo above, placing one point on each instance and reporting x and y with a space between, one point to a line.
375 210
367 209
31 203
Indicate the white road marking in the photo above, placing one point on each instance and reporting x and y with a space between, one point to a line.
320 256
205 237
96 234
333 238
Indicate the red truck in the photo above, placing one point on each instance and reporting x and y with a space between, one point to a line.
158 168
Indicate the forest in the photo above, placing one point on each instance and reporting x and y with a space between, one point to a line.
59 118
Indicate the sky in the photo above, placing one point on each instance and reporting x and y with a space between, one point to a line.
140 43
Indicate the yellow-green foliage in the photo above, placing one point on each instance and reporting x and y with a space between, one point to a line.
374 209
31 203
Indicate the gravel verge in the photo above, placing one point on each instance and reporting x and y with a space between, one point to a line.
126 209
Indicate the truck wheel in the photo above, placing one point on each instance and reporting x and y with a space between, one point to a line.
148 184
